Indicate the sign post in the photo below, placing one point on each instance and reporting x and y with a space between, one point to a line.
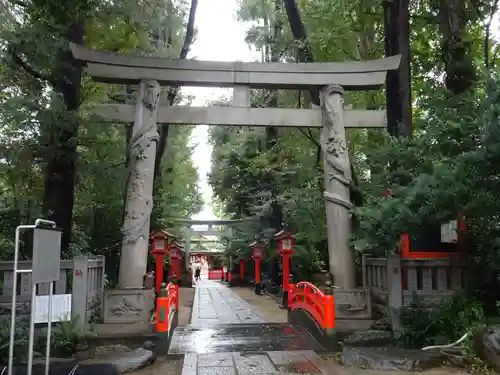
46 266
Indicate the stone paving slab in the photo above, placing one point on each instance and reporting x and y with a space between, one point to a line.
215 303
242 338
268 363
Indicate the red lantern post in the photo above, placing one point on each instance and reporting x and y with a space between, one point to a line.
285 246
257 252
242 271
160 245
175 258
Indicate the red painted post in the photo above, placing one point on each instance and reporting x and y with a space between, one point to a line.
242 270
257 252
162 309
329 311
178 268
172 267
159 272
286 270
285 245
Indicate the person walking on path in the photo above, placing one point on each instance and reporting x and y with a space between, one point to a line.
197 274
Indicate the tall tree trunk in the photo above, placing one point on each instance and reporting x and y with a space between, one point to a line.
299 33
60 170
276 219
171 97
398 83
453 16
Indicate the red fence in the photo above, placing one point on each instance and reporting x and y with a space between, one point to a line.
308 297
214 274
165 306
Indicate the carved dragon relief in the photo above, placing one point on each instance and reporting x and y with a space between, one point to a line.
126 306
138 214
334 144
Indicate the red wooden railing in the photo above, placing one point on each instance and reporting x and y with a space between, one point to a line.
164 306
308 297
214 274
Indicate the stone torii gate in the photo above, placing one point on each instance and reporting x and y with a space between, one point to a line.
212 230
151 73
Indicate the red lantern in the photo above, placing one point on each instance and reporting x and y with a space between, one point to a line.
175 263
285 242
159 243
257 253
285 245
175 251
257 250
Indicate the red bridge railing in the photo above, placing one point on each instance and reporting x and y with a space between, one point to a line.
165 306
309 297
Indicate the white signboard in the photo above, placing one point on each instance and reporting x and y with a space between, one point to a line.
61 308
449 232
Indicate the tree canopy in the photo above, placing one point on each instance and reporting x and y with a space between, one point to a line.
443 165
56 160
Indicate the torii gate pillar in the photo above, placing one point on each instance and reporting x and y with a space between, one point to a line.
138 207
337 182
139 202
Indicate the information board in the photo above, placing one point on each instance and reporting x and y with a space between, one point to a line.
61 308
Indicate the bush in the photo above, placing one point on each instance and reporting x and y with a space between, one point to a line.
66 338
20 338
455 317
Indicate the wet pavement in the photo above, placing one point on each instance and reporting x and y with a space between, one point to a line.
242 338
276 363
215 304
227 337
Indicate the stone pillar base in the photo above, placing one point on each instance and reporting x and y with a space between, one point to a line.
258 289
284 300
128 305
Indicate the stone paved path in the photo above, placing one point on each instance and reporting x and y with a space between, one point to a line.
217 304
268 363
227 337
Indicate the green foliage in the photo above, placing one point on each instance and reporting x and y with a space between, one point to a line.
33 117
20 339
448 166
66 338
444 325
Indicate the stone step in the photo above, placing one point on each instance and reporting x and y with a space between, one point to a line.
252 337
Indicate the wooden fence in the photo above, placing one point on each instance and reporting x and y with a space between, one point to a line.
81 277
394 282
